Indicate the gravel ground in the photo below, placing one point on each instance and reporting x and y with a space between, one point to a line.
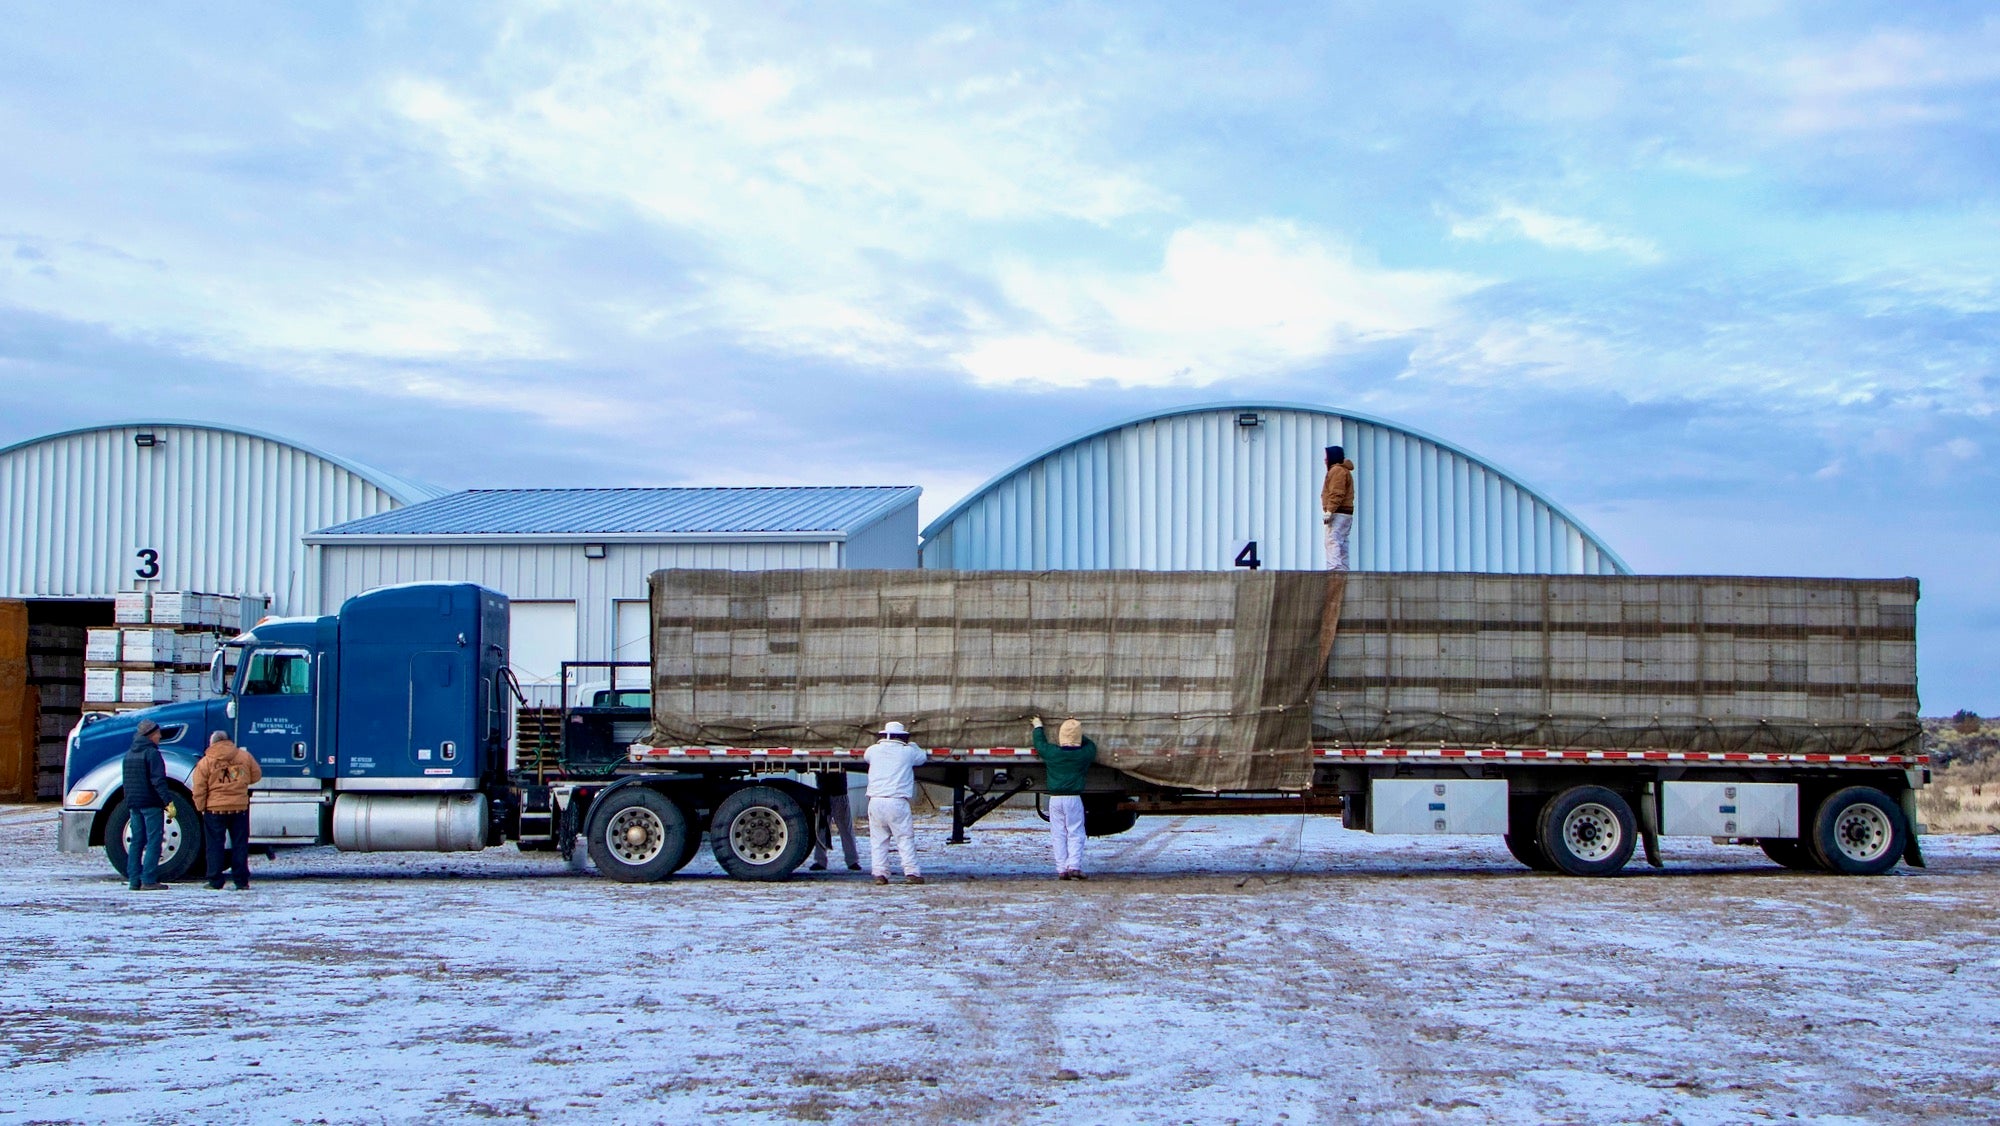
1260 969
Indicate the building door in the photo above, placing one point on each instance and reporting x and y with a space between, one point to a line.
541 636
632 640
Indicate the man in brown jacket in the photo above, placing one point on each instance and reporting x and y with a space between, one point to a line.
1336 502
221 782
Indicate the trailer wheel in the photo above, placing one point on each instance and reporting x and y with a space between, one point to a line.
1858 831
1588 831
180 844
1790 852
1522 818
760 833
636 835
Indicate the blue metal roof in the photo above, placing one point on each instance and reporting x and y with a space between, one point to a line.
837 510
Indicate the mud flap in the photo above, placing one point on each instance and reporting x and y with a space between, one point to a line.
1913 853
1649 824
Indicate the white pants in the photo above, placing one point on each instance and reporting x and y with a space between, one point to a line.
1336 540
1066 832
887 818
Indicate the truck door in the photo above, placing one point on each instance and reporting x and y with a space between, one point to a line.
276 710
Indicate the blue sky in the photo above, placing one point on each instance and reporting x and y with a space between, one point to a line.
1725 279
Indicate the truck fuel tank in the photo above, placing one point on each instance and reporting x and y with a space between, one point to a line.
410 823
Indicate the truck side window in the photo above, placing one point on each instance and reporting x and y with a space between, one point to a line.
275 673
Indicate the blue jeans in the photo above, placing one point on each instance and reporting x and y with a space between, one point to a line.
142 859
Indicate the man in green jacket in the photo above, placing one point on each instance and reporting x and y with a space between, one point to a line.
1068 760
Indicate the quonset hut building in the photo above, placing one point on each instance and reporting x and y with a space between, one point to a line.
1221 485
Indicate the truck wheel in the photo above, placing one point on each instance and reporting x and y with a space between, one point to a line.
1588 831
636 835
689 849
180 844
1790 852
1858 831
760 833
1522 818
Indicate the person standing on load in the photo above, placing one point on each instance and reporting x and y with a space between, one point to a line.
1068 760
1336 502
834 816
146 796
892 781
221 782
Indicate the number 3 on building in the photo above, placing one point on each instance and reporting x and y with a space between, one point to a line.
1248 556
149 564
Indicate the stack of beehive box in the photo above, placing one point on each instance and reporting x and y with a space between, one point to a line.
160 649
55 673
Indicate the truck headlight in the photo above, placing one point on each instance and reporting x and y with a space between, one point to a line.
80 797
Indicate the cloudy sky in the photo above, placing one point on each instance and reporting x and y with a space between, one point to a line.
1722 278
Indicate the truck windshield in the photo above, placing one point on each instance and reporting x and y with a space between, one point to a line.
275 672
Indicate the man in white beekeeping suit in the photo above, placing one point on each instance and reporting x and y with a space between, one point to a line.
892 781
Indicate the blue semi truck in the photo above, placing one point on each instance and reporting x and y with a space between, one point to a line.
385 727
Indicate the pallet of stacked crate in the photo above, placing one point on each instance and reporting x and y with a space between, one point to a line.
55 672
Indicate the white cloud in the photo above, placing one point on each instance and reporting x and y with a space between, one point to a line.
1885 79
1560 232
1225 302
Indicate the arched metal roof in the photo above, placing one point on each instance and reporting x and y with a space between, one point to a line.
403 489
1188 488
89 512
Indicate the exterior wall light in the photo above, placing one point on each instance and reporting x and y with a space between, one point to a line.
145 440
593 551
1249 420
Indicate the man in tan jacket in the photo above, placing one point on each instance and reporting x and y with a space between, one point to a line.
1336 502
221 782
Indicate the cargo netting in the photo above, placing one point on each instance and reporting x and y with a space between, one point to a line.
1226 681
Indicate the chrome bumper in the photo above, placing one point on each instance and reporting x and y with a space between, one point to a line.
74 835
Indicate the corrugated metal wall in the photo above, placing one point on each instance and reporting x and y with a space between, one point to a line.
555 572
223 509
1187 491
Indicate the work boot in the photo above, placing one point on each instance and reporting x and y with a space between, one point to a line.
913 879
854 867
152 887
881 879
815 867
1077 874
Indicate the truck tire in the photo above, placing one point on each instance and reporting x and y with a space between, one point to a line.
1858 831
1790 852
760 833
180 845
691 848
1523 817
1587 831
637 835
1103 818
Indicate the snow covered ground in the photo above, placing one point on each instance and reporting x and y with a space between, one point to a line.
1256 969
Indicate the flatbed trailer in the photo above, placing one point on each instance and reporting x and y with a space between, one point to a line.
1780 713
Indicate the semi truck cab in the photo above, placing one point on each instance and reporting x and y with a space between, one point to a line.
381 727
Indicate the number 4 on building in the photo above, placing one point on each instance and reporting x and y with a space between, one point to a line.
1248 556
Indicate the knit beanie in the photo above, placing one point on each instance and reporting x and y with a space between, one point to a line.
1070 734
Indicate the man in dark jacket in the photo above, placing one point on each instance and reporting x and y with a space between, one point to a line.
1068 761
146 797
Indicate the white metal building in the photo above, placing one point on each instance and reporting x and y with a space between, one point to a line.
1193 488
574 562
87 513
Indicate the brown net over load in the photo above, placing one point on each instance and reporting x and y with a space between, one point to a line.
1196 679
1224 681
1771 665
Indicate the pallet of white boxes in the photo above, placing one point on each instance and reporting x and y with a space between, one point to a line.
160 649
